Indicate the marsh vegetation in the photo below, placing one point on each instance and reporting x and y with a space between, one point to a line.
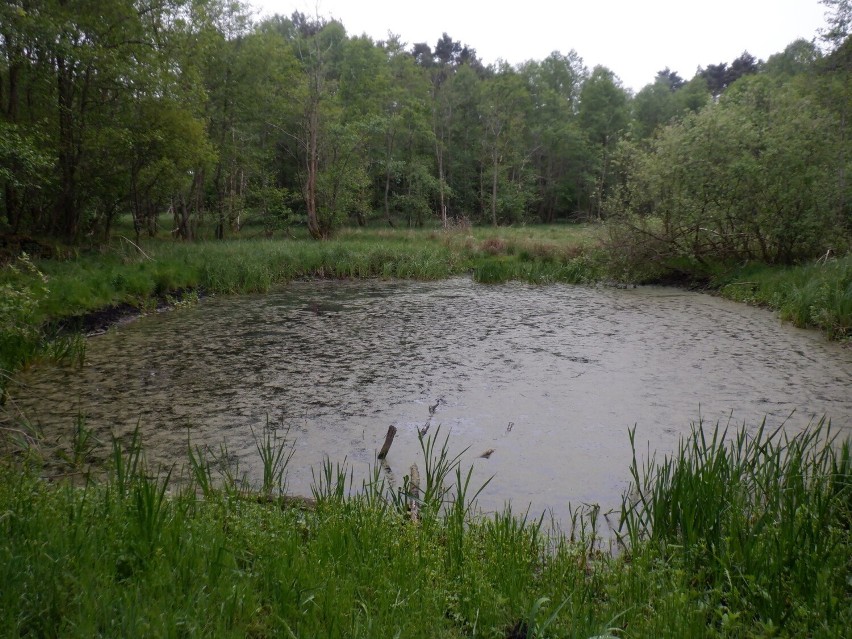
735 534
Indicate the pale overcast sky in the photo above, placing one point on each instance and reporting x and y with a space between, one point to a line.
634 38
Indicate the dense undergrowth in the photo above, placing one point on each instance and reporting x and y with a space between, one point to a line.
746 536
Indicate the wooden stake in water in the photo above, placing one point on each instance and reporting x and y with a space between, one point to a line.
388 441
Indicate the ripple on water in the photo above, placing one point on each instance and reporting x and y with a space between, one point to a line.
571 368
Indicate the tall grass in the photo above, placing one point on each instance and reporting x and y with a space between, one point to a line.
40 302
815 295
741 534
118 273
275 455
761 520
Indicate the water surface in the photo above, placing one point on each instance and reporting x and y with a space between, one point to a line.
551 378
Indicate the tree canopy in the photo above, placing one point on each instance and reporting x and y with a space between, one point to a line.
180 112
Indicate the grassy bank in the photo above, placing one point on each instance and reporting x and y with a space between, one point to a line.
817 295
746 538
124 273
38 297
813 295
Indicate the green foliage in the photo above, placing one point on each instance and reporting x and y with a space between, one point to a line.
839 21
813 295
760 519
604 116
23 289
182 112
23 163
659 103
798 57
18 300
603 107
750 177
505 102
561 153
749 538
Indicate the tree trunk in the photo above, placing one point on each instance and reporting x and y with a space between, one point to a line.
13 208
312 168
187 204
439 154
387 199
66 215
495 161
604 166
136 204
388 159
220 205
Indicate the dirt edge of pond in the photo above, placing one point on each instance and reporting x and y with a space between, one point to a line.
98 321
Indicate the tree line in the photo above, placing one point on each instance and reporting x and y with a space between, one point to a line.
185 112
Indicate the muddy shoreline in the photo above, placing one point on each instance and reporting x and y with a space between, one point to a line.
99 321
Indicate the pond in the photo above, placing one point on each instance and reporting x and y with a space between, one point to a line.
550 378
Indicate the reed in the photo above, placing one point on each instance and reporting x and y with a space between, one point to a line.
761 519
333 482
82 444
275 455
744 533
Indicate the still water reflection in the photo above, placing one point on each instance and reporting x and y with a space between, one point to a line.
551 378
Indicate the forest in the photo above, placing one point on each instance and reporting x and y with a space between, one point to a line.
184 113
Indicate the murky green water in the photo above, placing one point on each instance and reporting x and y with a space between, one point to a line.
551 378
